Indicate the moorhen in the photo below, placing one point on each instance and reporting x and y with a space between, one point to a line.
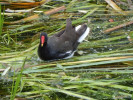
63 44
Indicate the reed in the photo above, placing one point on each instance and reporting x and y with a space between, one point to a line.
102 67
1 20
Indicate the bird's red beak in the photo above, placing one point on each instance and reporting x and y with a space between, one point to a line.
42 40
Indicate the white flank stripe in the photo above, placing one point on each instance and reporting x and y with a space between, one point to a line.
69 56
69 51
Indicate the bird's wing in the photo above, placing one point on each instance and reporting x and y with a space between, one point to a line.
59 33
69 28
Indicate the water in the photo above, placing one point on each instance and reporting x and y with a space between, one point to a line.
92 73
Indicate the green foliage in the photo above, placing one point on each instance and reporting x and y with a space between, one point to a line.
103 71
16 82
1 20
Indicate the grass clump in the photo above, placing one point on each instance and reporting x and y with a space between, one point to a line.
102 67
1 20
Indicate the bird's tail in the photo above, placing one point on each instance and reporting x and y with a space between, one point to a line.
82 31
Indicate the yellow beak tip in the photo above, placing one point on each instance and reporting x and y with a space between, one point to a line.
41 45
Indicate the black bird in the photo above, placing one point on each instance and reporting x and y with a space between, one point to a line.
63 44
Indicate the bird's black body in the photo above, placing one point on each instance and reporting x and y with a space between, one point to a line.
61 45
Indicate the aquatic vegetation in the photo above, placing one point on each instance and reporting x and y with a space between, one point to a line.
103 69
1 20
